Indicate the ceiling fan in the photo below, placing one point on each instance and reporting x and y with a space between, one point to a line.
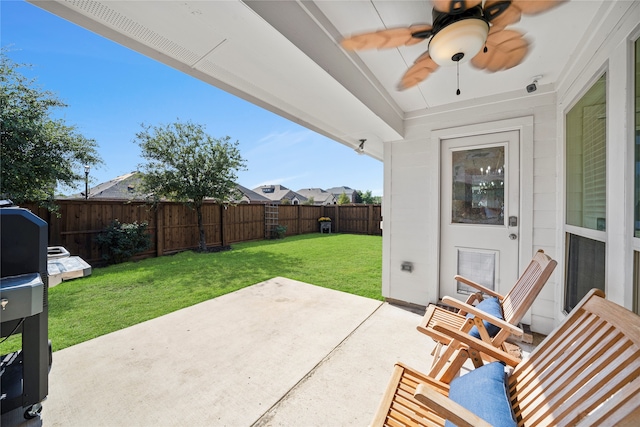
462 30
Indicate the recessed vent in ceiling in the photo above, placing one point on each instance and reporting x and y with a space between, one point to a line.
135 30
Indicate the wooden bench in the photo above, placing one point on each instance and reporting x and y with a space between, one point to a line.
504 314
585 373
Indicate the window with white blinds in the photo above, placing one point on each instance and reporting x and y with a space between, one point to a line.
586 159
594 181
586 198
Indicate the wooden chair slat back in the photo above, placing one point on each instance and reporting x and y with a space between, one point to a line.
520 298
590 365
403 410
444 317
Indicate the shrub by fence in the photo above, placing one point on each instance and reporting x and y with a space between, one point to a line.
174 227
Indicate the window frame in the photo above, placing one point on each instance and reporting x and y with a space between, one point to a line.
635 121
568 229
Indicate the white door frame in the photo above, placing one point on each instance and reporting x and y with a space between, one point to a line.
525 126
474 237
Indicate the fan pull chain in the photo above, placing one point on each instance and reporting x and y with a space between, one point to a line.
458 73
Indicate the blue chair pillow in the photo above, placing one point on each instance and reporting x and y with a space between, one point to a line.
490 306
483 392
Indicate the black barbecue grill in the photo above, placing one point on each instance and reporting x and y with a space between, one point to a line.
24 301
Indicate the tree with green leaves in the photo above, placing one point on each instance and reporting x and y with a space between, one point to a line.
343 199
38 153
365 197
187 165
309 202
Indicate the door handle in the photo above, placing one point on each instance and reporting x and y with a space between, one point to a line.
512 236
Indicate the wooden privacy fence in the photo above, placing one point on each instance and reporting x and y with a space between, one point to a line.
174 227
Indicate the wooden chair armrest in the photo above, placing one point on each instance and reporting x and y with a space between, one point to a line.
447 408
484 316
477 344
478 286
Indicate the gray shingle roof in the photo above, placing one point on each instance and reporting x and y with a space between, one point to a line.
337 191
320 196
123 187
250 196
277 192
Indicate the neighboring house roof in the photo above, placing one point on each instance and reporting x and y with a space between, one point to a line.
250 196
277 193
123 187
337 191
320 196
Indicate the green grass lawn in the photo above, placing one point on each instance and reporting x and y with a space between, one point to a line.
122 295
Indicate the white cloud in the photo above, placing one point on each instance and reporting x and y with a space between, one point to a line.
278 142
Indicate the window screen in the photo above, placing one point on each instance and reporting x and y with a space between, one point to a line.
585 269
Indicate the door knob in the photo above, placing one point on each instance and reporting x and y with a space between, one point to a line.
513 236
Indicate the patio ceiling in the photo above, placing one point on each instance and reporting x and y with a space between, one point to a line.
285 56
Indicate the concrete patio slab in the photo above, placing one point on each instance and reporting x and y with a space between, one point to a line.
280 352
346 388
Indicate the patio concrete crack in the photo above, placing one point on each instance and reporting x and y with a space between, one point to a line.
264 419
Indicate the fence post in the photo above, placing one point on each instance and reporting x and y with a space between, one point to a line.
222 209
159 229
54 228
337 229
370 222
298 220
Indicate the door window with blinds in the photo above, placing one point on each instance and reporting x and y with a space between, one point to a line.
586 200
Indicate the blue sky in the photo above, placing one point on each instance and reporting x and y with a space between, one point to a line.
110 90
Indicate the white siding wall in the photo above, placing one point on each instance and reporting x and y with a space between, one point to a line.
411 215
545 188
609 50
411 222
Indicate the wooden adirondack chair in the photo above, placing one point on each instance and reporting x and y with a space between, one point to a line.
511 307
586 373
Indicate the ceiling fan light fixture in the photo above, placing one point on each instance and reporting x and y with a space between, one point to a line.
459 41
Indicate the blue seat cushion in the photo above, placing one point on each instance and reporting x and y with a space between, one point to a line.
490 306
483 391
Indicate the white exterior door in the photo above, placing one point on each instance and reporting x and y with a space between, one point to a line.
479 217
